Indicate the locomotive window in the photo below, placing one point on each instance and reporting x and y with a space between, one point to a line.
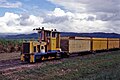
26 47
38 47
39 34
42 47
34 48
48 34
54 34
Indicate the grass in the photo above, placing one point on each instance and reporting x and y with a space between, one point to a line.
10 45
3 77
98 67
13 41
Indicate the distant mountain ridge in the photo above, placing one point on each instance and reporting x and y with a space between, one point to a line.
4 35
35 35
95 34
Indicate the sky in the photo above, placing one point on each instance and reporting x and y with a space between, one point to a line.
82 16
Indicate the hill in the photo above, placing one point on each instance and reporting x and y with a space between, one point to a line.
35 35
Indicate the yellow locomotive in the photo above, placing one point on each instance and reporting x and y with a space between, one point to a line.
50 45
46 47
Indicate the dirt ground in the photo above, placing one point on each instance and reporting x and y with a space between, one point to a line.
100 66
9 56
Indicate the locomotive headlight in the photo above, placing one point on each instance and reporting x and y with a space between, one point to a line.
60 50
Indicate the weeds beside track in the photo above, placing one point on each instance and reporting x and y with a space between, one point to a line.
102 66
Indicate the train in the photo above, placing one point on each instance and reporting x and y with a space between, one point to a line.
50 45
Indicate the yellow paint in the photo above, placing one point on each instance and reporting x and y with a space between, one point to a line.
58 48
43 43
22 57
99 44
49 46
49 57
78 45
58 41
32 59
52 57
113 43
31 47
103 45
43 58
34 43
53 44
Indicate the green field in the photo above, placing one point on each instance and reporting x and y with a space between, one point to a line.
10 45
102 66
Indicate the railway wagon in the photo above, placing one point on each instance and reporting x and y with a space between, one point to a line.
51 45
99 44
113 43
75 44
83 44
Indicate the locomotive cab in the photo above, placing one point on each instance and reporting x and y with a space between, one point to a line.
47 46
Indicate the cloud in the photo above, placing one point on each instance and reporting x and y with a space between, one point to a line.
109 16
107 9
89 5
62 20
7 4
57 16
15 23
73 22
72 5
81 22
92 15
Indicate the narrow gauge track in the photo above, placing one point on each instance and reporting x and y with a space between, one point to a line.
10 63
4 64
8 67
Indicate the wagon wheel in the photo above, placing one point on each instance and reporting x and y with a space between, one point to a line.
58 55
65 55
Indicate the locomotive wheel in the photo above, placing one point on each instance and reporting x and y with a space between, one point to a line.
32 60
58 55
65 55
